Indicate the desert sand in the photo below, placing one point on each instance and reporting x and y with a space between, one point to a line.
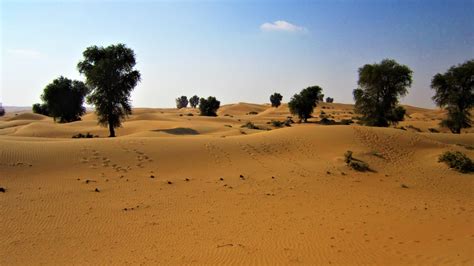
177 189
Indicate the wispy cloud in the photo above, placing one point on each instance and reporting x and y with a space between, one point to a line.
26 53
281 25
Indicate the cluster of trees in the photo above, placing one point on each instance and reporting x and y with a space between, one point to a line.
182 102
382 84
110 79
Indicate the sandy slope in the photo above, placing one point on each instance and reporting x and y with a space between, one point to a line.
297 202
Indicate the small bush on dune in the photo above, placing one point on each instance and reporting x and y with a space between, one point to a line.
354 163
250 125
346 122
84 136
252 113
457 160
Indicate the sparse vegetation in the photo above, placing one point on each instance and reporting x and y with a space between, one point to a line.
182 102
111 75
380 86
275 99
433 130
194 101
2 111
346 122
250 125
303 104
414 128
209 106
252 113
84 136
455 92
354 163
458 161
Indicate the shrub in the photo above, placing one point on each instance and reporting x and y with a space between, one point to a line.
209 106
2 111
87 136
354 163
329 100
250 125
252 113
457 160
276 123
433 130
346 122
327 121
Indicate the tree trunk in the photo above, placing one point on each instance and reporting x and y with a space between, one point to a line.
111 130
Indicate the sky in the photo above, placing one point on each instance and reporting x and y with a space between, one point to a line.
237 51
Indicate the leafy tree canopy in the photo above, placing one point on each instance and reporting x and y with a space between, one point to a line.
182 102
209 106
454 90
194 101
380 86
111 75
63 100
303 104
275 99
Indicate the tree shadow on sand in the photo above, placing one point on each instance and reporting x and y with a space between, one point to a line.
178 131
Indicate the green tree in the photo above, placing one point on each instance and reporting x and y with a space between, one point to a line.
182 102
303 104
111 75
209 106
380 86
329 100
63 99
275 99
455 92
41 109
194 101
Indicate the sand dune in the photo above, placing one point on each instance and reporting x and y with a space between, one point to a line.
177 189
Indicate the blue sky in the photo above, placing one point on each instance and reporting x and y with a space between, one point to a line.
238 51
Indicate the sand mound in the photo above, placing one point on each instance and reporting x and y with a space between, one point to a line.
28 116
241 108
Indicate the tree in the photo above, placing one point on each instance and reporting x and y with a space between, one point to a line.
194 101
2 111
275 99
111 75
182 102
380 86
41 109
209 106
455 92
329 100
303 104
63 99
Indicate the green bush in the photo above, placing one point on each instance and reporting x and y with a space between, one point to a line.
457 160
277 123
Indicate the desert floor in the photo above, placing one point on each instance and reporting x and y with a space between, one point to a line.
176 189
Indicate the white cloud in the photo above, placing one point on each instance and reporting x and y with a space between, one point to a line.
281 25
26 53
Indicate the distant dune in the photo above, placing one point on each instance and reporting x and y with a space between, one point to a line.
178 188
